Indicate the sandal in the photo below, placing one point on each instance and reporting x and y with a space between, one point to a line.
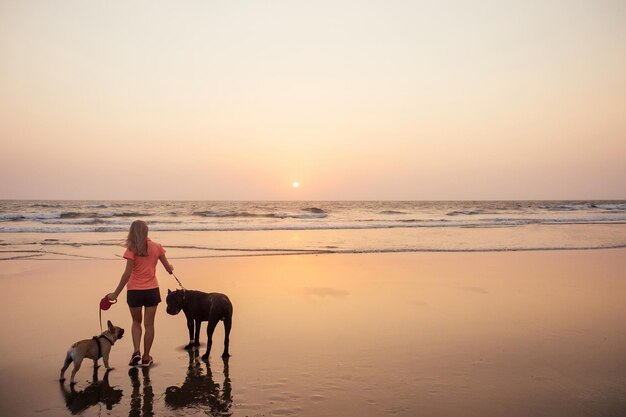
145 362
135 359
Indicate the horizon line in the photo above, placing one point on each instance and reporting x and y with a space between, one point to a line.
314 200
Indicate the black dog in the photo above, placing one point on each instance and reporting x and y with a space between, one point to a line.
199 306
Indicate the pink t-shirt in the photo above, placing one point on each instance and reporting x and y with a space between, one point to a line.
143 276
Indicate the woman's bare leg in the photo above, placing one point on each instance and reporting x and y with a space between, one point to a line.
135 312
149 325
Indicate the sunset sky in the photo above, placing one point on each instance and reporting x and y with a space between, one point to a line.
352 99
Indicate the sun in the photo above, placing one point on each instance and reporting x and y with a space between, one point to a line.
295 184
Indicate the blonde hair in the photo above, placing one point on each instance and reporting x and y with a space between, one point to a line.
137 240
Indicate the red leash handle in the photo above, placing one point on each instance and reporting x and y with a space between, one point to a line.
105 304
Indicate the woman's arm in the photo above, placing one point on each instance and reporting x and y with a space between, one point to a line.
168 266
123 280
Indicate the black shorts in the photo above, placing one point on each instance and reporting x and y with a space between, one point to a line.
143 298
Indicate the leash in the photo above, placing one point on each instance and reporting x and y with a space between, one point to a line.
105 304
177 280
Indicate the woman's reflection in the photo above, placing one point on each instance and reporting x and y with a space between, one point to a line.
97 392
137 406
200 390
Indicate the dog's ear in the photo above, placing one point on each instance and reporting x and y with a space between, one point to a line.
169 291
110 325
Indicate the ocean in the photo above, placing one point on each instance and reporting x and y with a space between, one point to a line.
29 229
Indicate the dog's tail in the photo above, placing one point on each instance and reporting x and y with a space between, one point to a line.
68 358
66 363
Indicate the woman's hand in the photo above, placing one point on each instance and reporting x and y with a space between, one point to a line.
112 296
171 271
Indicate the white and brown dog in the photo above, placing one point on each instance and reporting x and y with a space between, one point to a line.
94 348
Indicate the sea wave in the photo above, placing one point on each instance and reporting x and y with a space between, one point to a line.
76 215
611 207
67 215
313 215
66 229
88 226
28 216
314 210
584 206
46 205
131 214
208 213
469 212
103 216
74 220
300 216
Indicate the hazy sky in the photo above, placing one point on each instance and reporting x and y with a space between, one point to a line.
354 99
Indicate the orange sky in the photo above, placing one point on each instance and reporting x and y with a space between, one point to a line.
353 99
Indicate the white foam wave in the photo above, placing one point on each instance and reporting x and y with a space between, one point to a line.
61 230
300 216
29 216
611 207
469 212
77 227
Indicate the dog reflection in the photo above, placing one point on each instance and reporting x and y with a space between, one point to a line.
200 390
141 402
97 392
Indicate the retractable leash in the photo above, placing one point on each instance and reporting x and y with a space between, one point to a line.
105 304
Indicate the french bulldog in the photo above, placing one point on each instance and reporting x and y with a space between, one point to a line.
94 348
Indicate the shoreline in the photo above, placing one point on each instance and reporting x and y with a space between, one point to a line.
316 253
189 245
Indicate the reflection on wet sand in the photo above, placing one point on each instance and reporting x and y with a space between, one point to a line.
199 390
141 403
97 392
481 334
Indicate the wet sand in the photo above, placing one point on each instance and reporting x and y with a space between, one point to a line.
435 334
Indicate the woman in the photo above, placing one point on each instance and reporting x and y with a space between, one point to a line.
141 257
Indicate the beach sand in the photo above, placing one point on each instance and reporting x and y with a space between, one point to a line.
405 334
